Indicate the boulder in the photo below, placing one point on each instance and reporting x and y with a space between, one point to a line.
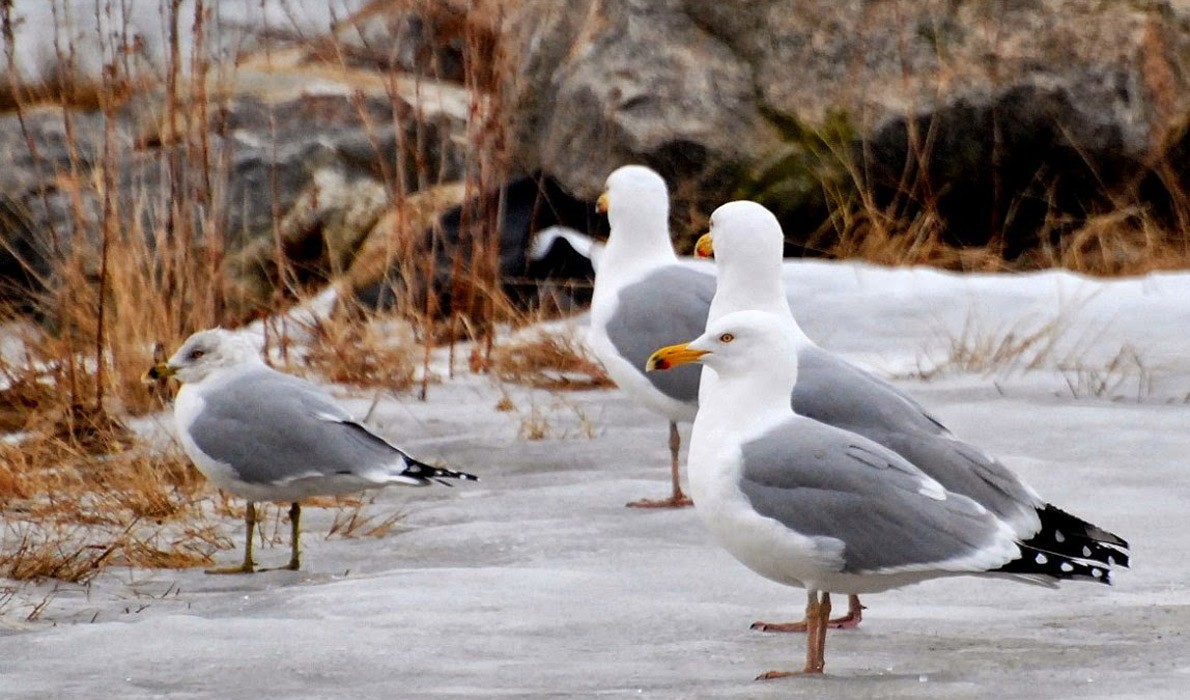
44 195
292 157
1005 120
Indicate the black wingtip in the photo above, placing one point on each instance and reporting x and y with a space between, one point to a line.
1064 535
1068 547
438 475
1034 562
1054 518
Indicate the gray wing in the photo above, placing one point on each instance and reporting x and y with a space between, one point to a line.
833 391
836 392
824 482
271 427
668 306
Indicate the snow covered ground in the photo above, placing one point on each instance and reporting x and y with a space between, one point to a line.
537 582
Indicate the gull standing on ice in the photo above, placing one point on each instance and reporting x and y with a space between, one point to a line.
747 243
810 505
268 436
643 299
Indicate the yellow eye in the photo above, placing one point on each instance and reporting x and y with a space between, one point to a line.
726 338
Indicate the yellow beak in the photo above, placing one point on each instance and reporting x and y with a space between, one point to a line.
157 372
705 246
601 204
673 356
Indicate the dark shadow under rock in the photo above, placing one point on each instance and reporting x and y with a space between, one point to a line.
1020 170
553 272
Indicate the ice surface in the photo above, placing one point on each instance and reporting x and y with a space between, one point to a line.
537 582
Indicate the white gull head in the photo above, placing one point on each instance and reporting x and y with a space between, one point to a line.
754 355
637 204
749 249
207 352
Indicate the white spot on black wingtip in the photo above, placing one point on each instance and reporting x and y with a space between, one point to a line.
1097 573
1086 551
1067 567
1111 561
1058 536
1040 558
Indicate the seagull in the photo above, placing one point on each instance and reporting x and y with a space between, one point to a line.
818 507
643 299
268 436
747 243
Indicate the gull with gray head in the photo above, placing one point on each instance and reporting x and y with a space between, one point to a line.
268 436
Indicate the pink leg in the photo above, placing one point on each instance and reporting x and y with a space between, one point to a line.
855 614
677 499
818 612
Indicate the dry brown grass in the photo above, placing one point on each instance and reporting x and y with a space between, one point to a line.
1124 377
534 426
122 286
28 393
51 396
1128 241
68 515
1006 349
555 361
1120 243
75 92
352 519
555 419
1020 345
871 235
364 349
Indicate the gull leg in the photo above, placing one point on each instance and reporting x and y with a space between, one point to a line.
295 519
248 566
817 615
678 499
816 664
295 557
855 615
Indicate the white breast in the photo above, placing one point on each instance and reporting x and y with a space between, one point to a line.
762 544
187 406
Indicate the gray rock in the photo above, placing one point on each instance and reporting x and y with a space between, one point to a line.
999 117
427 38
306 165
43 197
630 80
278 147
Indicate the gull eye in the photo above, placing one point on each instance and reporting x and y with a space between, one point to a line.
726 338
196 354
